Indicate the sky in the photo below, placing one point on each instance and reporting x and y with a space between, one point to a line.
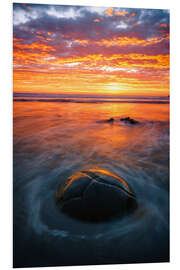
90 50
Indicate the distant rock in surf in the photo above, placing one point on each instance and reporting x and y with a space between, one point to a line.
110 120
95 195
129 120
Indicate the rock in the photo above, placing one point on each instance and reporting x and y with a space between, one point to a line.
110 120
129 120
95 195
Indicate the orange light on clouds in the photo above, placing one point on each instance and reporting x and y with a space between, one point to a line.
122 13
163 25
69 60
123 41
109 11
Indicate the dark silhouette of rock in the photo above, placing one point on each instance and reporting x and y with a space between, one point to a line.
110 120
95 195
129 120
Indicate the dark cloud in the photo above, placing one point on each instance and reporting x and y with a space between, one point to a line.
60 26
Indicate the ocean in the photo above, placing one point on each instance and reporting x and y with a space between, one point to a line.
56 136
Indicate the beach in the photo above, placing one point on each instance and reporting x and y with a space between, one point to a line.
54 138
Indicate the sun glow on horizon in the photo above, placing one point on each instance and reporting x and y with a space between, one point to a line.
114 88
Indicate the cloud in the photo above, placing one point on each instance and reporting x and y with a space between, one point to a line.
70 13
108 40
122 13
109 12
83 21
21 16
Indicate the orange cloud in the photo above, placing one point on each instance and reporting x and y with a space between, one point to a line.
40 37
164 25
109 11
122 13
37 69
35 45
124 41
81 41
96 20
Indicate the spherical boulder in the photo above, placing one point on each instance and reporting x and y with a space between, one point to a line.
95 195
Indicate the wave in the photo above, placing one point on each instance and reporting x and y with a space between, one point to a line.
151 101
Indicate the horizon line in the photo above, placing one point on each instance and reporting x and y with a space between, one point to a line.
71 95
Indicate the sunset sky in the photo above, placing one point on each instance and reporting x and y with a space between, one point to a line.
90 50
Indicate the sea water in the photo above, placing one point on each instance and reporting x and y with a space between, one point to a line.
55 137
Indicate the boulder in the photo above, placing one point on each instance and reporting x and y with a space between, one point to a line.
95 195
129 120
110 120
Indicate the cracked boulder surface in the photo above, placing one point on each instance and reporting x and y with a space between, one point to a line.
95 195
